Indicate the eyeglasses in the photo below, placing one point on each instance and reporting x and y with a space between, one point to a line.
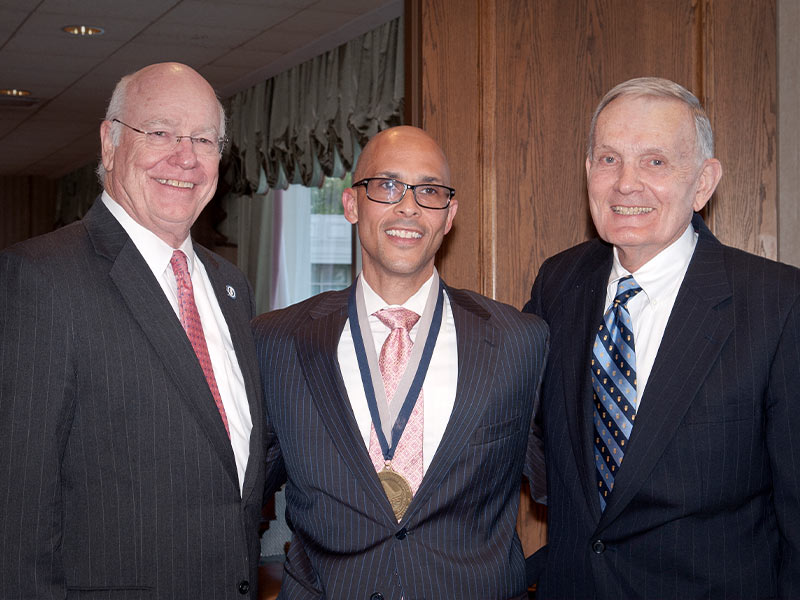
166 140
391 191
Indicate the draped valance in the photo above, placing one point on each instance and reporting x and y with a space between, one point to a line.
311 121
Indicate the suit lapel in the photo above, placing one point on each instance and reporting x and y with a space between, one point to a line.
699 321
478 351
583 300
242 339
154 315
317 344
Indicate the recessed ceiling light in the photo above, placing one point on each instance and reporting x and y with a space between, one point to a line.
14 92
83 30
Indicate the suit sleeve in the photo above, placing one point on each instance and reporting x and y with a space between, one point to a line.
783 440
534 457
36 409
267 355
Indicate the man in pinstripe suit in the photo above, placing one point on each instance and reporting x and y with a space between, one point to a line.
131 452
706 503
454 536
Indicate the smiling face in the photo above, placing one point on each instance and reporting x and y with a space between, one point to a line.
645 177
399 241
163 190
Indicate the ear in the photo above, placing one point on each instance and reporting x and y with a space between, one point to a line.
350 205
451 214
588 166
710 175
107 145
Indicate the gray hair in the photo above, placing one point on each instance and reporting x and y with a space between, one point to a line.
115 110
660 88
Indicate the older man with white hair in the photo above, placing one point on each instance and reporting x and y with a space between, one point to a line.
679 355
131 444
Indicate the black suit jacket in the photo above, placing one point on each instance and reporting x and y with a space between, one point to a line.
707 502
457 539
118 479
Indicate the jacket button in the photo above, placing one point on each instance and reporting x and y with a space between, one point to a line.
376 596
244 586
598 547
401 535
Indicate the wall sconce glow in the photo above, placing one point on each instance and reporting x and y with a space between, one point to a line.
83 30
14 92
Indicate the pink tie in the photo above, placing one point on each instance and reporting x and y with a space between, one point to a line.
393 360
190 319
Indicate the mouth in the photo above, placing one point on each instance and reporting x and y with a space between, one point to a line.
176 183
631 210
404 233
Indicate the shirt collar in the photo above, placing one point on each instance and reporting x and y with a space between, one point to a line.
155 251
373 302
658 276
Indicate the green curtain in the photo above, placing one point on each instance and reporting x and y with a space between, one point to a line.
312 120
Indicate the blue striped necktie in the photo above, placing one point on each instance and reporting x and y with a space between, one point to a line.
614 385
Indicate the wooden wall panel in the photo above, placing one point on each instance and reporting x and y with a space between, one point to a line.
555 62
740 77
450 95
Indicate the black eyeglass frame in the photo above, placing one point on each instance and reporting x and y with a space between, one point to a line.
220 141
406 186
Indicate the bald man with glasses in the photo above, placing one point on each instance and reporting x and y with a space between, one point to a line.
400 411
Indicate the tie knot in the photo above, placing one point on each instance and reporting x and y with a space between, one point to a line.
398 318
179 263
627 288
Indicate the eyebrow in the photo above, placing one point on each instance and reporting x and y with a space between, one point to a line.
169 123
397 176
639 151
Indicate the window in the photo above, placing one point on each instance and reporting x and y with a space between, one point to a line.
318 247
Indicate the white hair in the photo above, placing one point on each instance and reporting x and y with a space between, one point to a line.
660 88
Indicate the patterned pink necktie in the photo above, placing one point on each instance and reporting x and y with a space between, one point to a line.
394 356
190 319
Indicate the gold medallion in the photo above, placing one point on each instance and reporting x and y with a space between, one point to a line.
397 490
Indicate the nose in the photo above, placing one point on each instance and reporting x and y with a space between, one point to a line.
183 155
629 180
407 205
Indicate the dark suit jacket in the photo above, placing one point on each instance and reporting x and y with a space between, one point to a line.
117 478
707 501
457 539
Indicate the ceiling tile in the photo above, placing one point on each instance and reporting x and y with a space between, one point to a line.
10 19
249 16
144 54
317 22
209 37
92 10
245 59
276 40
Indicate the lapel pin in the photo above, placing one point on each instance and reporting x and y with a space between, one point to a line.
231 291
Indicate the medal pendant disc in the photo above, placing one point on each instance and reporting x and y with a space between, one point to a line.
397 490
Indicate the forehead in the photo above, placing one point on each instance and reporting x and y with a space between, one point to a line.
173 99
408 156
646 120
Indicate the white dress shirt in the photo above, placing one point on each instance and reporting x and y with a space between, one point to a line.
157 254
660 279
439 387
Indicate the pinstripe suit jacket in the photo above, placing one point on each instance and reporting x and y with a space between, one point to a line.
457 539
117 477
707 502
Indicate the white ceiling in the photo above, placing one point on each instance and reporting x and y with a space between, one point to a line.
233 43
